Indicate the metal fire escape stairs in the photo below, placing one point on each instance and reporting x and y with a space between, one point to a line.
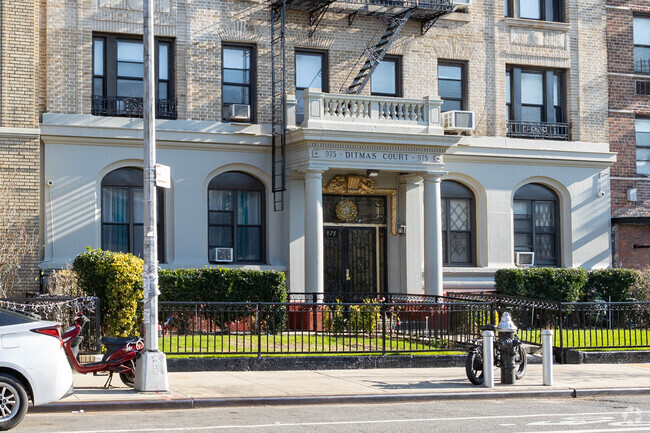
395 12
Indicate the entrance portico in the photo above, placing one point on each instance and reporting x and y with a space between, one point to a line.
392 246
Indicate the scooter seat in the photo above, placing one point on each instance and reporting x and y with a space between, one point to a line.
118 341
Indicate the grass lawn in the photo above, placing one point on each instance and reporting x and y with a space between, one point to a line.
293 344
593 338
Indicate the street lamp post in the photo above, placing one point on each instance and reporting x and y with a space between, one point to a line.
151 365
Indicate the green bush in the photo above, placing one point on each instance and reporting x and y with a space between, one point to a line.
551 284
221 285
574 284
355 318
615 283
116 279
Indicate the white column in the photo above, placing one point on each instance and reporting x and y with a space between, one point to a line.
432 236
296 229
314 279
411 245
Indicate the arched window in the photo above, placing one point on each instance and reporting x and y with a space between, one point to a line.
537 224
235 218
123 212
458 233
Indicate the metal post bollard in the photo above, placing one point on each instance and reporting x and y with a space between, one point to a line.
547 356
488 359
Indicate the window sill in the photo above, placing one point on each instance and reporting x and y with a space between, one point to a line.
543 25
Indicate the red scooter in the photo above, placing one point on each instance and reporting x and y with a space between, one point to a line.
119 358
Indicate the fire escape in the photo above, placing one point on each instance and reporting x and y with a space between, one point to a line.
395 14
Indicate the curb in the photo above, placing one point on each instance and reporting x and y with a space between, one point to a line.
197 403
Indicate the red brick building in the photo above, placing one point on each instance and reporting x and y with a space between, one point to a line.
628 46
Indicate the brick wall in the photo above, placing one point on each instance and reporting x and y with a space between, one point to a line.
626 255
624 107
19 143
483 38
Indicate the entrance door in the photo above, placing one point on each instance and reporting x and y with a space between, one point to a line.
354 259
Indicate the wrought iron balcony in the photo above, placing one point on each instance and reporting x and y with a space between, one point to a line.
120 106
642 66
540 130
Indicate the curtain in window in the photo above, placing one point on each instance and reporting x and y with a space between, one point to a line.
116 219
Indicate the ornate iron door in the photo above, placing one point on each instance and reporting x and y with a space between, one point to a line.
351 259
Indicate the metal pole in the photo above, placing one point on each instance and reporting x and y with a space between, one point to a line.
488 359
547 356
151 365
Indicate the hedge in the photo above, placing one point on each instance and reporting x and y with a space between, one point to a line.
572 284
221 285
116 279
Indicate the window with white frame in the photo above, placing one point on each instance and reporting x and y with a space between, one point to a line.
641 44
642 129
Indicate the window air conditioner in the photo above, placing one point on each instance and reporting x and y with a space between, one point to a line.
238 112
525 259
456 120
220 255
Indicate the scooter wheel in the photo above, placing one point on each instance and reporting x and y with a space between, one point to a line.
128 378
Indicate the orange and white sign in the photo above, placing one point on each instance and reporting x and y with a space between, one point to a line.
163 176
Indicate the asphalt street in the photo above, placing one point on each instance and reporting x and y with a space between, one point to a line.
587 414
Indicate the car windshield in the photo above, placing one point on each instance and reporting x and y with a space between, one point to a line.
8 317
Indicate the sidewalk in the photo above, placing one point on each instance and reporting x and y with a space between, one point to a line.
205 389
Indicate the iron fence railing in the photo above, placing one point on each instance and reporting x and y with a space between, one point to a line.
121 106
577 325
261 328
62 309
541 130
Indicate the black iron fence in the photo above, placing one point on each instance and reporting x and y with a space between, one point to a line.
577 325
540 130
62 309
260 328
122 106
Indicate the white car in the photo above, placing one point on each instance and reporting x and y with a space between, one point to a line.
33 365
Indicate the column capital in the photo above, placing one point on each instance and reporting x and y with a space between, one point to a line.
433 177
410 179
313 173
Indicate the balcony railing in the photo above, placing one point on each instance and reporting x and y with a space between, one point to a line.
120 106
540 130
376 113
642 66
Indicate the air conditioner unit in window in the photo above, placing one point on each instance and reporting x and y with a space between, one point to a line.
525 259
457 120
220 255
238 112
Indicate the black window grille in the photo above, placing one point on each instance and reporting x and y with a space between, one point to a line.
458 226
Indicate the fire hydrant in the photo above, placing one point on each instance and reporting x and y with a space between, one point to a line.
507 345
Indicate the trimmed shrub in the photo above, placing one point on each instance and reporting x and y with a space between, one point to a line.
221 285
116 279
616 283
551 284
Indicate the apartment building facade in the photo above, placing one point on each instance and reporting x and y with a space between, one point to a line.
628 43
19 146
381 194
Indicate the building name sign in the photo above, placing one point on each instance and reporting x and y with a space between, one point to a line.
355 155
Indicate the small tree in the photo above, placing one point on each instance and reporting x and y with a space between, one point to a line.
18 241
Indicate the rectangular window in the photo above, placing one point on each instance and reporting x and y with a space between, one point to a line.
311 72
238 79
118 74
641 45
451 85
535 104
642 127
387 78
543 10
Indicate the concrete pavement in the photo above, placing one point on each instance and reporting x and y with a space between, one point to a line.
235 388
